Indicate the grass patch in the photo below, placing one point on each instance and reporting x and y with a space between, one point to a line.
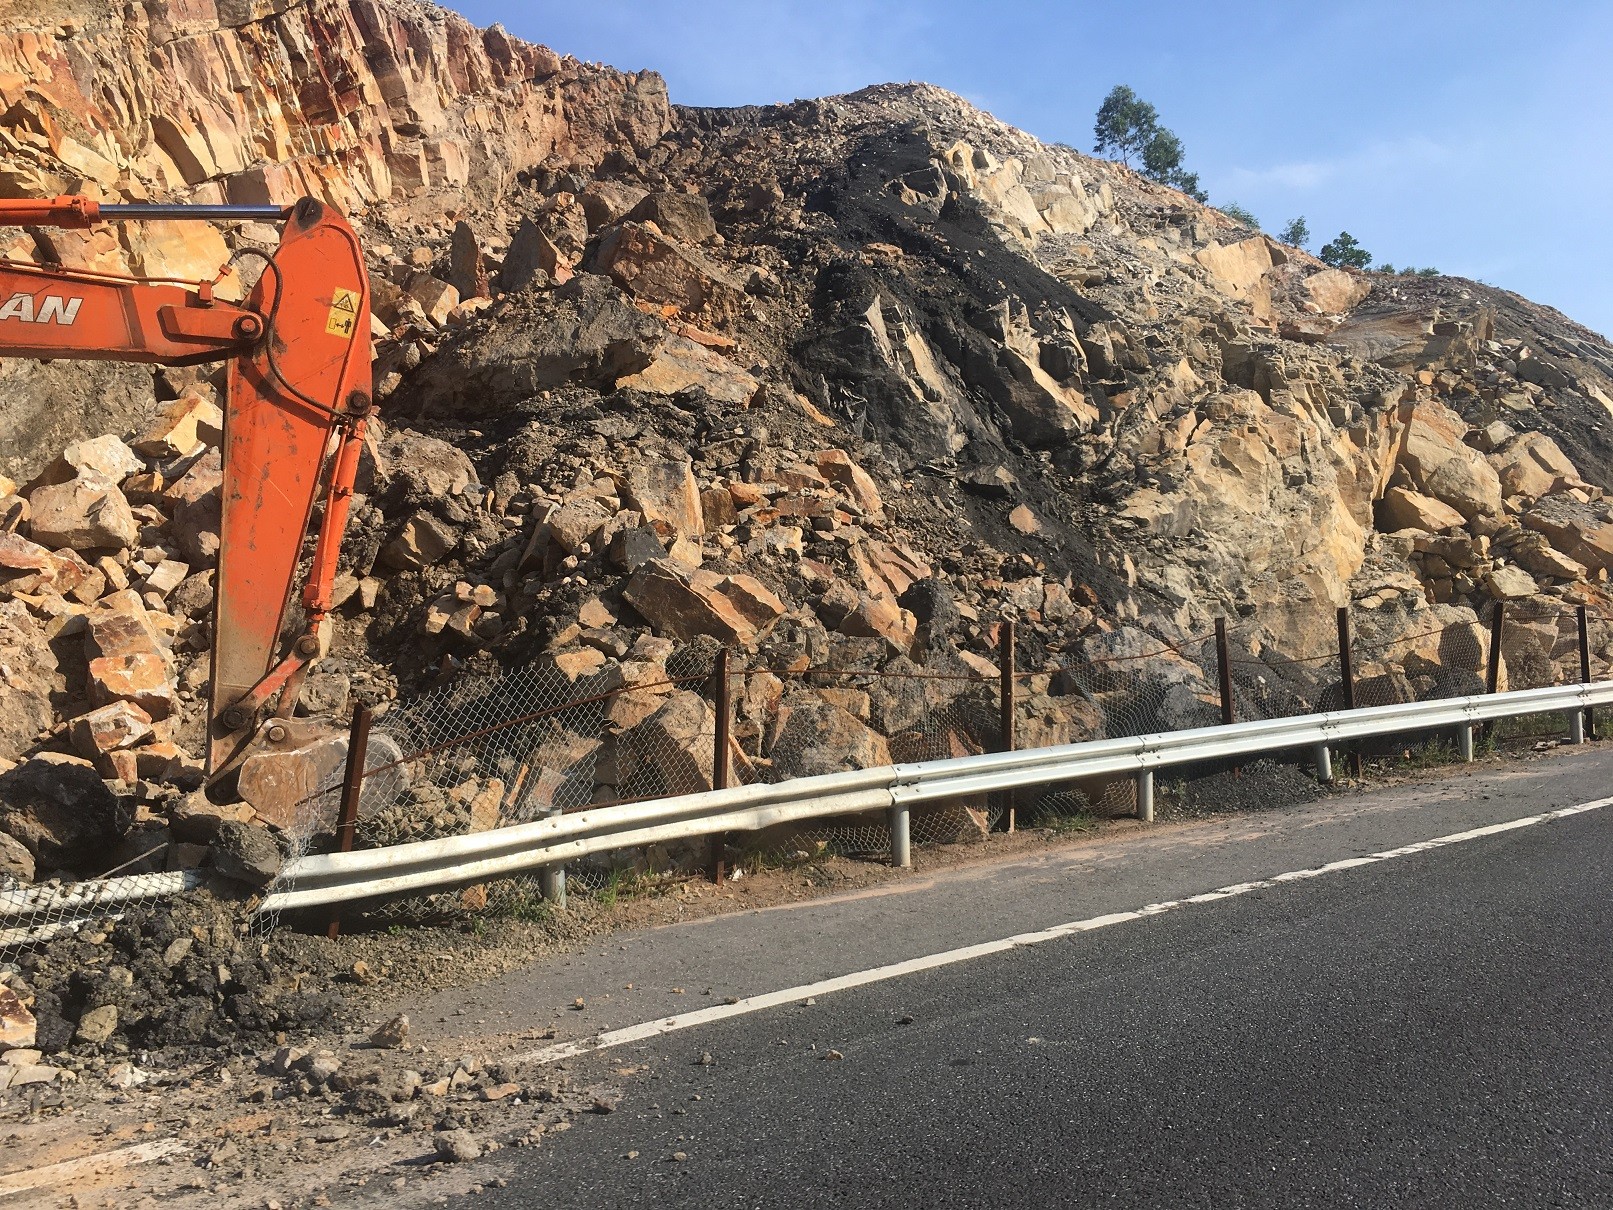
1433 754
1070 825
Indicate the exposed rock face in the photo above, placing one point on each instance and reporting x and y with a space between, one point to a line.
355 101
838 383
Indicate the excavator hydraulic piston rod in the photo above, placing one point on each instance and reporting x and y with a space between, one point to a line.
124 211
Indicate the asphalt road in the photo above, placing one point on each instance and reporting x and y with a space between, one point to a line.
1430 1030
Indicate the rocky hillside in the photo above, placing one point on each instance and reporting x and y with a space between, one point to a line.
839 382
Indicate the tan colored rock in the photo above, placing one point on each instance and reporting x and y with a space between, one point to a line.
1533 465
141 679
1023 520
579 664
1508 583
195 501
436 297
717 509
1402 508
649 265
1591 545
86 513
667 496
31 681
165 577
117 725
532 254
682 364
17 1025
423 541
25 566
16 862
1335 291
105 457
1241 269
675 741
1535 555
683 603
577 523
812 736
75 578
681 216
838 468
1442 465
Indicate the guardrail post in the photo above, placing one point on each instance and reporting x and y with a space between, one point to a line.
1581 616
715 866
358 743
1323 755
901 836
1347 675
1145 796
1464 742
1007 634
552 883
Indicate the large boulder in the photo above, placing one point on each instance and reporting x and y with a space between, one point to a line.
585 333
667 495
84 513
650 265
683 216
1402 508
686 365
1440 464
129 661
671 751
1335 291
810 736
684 603
61 811
1533 465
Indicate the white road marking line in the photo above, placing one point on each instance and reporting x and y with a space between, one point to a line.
55 1174
895 970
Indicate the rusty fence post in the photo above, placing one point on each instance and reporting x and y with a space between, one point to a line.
1583 618
1347 675
1007 637
1223 670
716 844
358 743
1498 621
1492 672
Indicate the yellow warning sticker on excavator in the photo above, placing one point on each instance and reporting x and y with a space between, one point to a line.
343 313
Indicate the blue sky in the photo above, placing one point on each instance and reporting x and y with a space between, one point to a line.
1474 137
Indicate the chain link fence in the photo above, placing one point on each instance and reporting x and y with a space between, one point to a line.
495 750
598 728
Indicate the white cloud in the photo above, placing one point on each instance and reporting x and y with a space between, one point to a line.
1374 161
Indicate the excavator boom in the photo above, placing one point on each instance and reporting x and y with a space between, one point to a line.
299 392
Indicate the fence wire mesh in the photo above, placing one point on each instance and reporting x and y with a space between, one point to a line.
494 750
601 728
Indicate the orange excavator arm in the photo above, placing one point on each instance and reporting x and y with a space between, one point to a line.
299 392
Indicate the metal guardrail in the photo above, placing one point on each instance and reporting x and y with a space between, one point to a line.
895 789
